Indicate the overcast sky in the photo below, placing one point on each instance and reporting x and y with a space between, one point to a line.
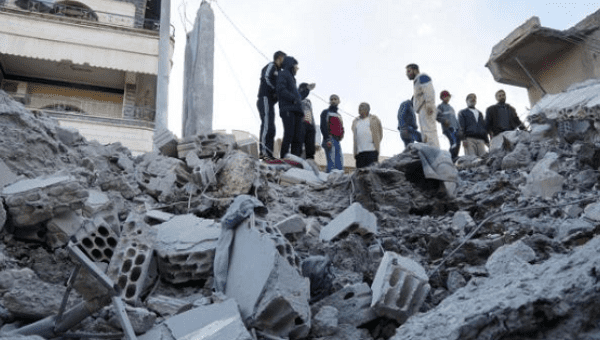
358 49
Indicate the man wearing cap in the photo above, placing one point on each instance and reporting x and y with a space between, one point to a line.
450 128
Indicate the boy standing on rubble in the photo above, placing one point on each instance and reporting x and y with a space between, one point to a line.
332 129
450 127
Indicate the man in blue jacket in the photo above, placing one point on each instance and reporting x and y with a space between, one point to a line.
267 97
290 108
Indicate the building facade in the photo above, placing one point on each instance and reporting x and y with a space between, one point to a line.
92 64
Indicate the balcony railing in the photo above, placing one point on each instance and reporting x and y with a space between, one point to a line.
82 107
83 14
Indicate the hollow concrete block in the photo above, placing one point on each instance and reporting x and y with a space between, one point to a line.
399 288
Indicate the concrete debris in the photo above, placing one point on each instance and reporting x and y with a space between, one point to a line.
97 240
303 176
32 201
353 303
355 219
399 288
185 248
512 251
60 229
167 306
271 293
130 266
212 322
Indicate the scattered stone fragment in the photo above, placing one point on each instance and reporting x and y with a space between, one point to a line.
543 180
399 288
292 225
354 219
142 320
592 212
7 176
325 322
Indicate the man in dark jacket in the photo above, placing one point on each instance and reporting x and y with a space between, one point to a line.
501 116
473 129
308 131
267 97
290 108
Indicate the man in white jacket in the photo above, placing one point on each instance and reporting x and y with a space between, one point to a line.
424 104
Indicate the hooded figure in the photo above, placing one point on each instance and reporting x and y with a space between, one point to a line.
290 108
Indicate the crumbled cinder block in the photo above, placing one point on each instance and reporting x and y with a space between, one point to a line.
97 240
399 288
292 225
61 228
353 303
185 248
355 219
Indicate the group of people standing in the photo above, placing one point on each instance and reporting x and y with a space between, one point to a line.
471 127
278 84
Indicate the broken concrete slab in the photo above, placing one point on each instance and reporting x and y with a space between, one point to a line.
61 228
520 157
68 135
271 293
141 319
462 222
303 176
162 177
185 248
353 303
207 146
100 204
355 219
543 180
32 201
211 322
157 215
292 225
399 288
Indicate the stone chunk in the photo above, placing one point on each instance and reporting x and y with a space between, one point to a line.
571 228
185 248
509 258
68 135
33 299
543 180
99 204
249 146
32 201
353 303
462 221
292 225
158 215
61 228
271 293
592 212
206 146
399 288
325 322
213 322
355 219
237 175
518 158
162 177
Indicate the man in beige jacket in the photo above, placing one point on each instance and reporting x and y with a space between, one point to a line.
424 104
368 133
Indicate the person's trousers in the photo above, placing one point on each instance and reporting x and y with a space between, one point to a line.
292 133
335 158
266 109
366 158
309 140
454 142
474 146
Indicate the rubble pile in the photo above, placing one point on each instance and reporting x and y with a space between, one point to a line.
216 245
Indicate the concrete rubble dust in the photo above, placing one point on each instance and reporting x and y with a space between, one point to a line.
216 245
